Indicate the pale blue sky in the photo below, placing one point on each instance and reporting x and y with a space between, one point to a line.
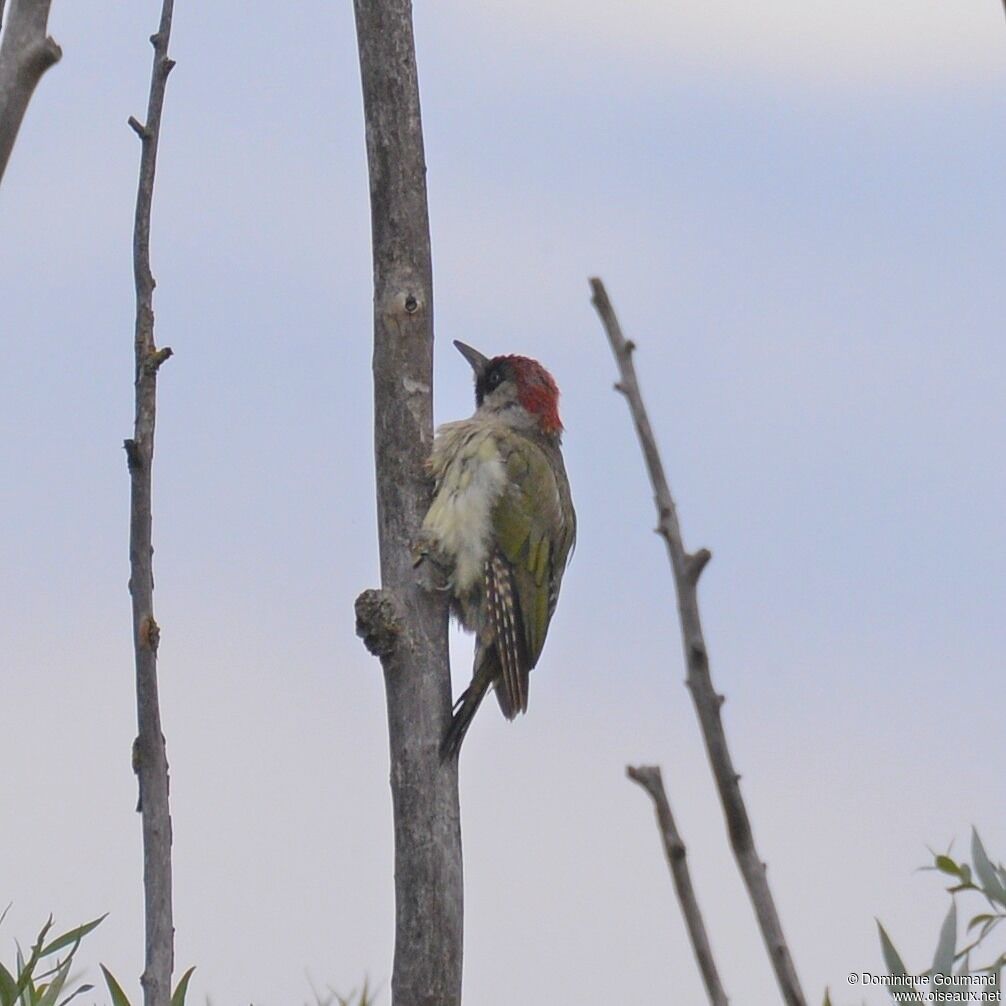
798 210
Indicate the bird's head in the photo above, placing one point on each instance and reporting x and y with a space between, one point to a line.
519 389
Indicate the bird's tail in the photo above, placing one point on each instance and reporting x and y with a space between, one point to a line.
467 705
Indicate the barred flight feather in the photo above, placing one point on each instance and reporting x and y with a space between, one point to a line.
504 610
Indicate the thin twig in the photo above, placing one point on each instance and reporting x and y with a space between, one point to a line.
26 52
687 569
150 756
402 623
649 777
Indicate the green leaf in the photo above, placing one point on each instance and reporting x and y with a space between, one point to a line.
25 991
25 988
895 965
986 871
53 989
76 992
827 998
73 936
947 865
978 920
8 987
114 988
943 959
178 997
892 959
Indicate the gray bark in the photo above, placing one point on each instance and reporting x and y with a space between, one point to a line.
150 756
649 777
687 568
402 623
26 52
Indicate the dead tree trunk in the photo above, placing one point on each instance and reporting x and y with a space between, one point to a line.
26 52
402 623
149 755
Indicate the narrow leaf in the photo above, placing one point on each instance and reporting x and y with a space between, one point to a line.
25 988
53 989
178 997
986 871
114 988
73 995
895 965
24 992
978 920
8 987
943 959
73 936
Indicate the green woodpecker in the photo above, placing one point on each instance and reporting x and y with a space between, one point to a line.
500 529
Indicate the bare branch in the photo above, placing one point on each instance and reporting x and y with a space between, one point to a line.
406 625
707 702
26 52
150 756
137 127
694 564
648 776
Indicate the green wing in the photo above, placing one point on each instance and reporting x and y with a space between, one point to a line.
535 527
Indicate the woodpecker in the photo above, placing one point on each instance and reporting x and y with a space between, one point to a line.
500 529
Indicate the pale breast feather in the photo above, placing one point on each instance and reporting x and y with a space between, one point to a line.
470 476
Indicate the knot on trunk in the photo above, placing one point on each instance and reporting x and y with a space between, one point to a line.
377 622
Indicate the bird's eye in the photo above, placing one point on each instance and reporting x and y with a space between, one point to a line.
493 381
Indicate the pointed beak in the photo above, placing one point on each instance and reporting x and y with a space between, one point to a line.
474 357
